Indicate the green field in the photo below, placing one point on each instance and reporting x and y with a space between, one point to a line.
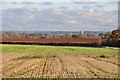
55 49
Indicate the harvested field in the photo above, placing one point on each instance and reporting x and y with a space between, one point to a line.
33 61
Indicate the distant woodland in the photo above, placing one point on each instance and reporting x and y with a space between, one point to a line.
41 35
108 38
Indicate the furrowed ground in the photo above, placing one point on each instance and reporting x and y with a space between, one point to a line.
36 61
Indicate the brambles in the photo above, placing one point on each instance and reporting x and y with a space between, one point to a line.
30 57
53 56
103 56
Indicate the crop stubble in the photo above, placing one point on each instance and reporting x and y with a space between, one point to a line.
57 66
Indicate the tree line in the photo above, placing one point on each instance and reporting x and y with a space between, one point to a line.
40 35
112 38
109 38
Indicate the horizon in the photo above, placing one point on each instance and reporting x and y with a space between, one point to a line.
54 31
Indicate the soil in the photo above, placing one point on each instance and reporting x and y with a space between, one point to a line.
58 66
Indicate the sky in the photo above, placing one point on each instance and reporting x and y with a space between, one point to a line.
59 16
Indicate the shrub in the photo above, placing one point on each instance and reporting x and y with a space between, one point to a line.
103 56
30 57
53 56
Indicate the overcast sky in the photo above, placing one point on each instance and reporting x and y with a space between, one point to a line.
59 16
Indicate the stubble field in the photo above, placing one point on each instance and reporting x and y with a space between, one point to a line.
34 61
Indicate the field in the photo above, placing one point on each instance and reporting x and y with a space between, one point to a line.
36 61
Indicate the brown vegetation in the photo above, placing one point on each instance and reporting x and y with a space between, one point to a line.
51 40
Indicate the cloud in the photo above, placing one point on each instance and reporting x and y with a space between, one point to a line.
59 18
46 3
71 21
77 1
100 6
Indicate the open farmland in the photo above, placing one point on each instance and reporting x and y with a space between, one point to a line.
36 61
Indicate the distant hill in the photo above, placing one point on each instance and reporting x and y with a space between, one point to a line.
60 32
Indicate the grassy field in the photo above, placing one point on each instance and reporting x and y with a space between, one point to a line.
55 49
35 61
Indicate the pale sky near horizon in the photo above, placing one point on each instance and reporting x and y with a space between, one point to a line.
59 16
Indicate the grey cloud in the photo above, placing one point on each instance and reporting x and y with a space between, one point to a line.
58 19
15 3
63 7
100 6
46 3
